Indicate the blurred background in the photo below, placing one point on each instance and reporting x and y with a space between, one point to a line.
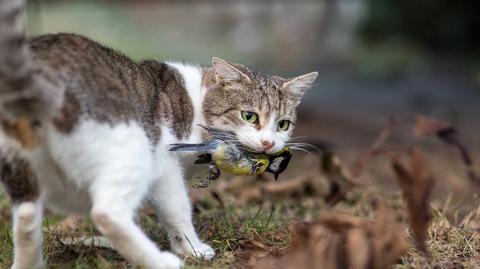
375 58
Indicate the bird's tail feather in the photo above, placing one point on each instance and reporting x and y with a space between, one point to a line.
25 89
201 147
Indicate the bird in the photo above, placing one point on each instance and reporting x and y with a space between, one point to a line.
223 153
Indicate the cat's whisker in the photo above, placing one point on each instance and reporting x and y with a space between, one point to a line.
301 149
304 145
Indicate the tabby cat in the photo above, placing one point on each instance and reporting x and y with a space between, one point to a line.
85 130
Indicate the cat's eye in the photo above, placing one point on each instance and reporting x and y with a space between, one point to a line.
250 116
283 125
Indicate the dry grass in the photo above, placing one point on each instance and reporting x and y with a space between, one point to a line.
245 235
251 222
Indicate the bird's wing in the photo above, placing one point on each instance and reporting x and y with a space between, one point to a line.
219 134
234 153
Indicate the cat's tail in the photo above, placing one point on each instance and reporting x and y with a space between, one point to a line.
26 91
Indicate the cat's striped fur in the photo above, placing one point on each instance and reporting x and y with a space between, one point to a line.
86 130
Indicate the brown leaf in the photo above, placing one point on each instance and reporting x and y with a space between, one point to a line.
244 189
356 247
424 127
71 225
417 185
259 245
388 242
339 177
339 222
342 180
338 241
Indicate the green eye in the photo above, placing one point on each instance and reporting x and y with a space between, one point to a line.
250 116
283 125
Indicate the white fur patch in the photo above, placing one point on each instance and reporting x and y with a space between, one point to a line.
192 75
70 165
252 138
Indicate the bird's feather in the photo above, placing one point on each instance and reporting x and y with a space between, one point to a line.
201 147
219 134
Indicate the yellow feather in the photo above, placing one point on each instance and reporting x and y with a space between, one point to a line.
241 167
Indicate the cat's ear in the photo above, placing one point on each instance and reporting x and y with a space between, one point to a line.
226 72
296 87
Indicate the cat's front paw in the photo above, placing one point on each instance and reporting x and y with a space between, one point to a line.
167 260
39 265
198 250
204 251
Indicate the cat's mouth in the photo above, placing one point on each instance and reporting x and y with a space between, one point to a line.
246 144
251 149
257 150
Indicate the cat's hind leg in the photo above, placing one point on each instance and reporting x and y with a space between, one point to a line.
27 235
170 198
20 183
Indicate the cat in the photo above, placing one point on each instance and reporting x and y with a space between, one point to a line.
85 130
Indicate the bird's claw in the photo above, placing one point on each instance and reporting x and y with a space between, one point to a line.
203 183
212 174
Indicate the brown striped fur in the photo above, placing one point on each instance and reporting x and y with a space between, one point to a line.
108 87
251 91
24 131
18 179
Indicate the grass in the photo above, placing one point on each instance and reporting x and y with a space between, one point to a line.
241 234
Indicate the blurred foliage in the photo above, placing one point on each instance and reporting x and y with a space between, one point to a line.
390 59
442 26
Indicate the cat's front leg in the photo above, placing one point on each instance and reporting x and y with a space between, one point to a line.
170 198
114 204
27 235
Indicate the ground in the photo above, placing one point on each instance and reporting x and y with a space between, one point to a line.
251 221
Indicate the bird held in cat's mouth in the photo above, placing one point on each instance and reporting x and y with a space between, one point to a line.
223 154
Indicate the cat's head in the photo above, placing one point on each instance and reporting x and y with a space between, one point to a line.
260 109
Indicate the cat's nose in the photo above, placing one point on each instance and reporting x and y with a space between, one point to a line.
267 144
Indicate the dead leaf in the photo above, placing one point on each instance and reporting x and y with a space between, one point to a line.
244 189
417 185
70 223
424 127
341 178
388 242
338 176
337 241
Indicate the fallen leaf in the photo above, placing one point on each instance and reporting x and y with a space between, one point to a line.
424 127
388 240
338 241
417 185
339 177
